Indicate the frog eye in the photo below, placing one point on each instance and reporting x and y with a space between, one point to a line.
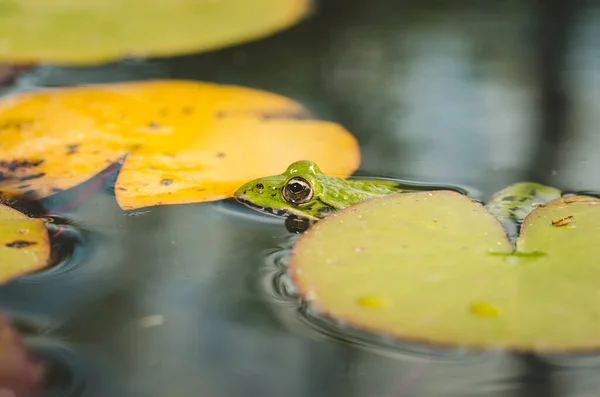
297 191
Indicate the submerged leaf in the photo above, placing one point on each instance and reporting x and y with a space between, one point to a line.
19 372
8 72
92 31
436 267
184 141
24 244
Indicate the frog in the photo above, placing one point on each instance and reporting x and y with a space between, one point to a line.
303 195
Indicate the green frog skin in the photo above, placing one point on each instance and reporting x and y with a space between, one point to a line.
307 194
304 193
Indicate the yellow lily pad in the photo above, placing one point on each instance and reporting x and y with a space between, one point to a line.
94 31
184 141
55 139
437 267
24 244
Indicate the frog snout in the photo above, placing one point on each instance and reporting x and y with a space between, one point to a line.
239 194
246 191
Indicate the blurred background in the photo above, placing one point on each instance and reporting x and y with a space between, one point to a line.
172 301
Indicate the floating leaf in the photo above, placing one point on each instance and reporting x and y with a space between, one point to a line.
185 141
95 31
55 139
217 137
19 373
436 267
24 244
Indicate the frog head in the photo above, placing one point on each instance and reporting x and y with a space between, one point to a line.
298 192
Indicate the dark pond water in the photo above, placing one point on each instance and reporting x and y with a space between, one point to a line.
192 300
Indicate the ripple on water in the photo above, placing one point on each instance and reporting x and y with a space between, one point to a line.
66 371
69 247
278 288
274 279
63 371
71 373
231 207
30 326
565 360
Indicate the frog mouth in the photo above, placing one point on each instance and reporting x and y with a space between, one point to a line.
282 213
266 210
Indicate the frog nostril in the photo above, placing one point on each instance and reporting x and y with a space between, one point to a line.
260 186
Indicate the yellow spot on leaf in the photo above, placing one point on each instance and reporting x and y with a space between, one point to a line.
484 310
371 302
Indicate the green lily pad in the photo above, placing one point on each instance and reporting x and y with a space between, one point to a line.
94 31
437 267
24 244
